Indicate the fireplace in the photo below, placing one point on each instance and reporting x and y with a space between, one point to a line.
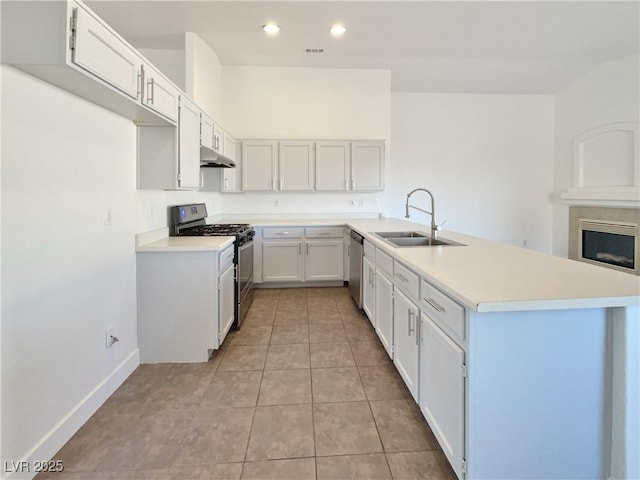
607 237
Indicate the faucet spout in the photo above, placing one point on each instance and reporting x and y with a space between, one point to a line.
432 213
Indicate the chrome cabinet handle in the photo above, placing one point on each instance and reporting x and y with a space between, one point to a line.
150 84
417 332
402 277
409 315
282 233
273 184
281 183
139 85
434 304
299 249
346 184
307 248
353 184
226 185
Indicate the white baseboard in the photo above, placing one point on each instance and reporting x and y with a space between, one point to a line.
60 434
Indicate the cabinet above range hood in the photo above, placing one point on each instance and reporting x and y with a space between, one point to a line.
210 158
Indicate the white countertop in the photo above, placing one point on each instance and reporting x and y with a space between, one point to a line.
483 275
490 276
159 241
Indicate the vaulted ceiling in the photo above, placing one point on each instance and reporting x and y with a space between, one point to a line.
429 46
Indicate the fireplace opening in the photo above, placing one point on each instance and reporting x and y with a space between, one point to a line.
611 248
609 244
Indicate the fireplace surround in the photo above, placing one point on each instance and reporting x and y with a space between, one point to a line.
605 236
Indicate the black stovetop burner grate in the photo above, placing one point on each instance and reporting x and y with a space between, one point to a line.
218 229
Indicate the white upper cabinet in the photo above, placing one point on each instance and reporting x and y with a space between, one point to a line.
333 161
68 45
295 166
189 145
206 131
259 165
218 138
230 176
326 165
367 166
97 50
159 94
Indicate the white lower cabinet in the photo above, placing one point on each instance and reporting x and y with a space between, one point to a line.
324 260
226 302
301 254
442 372
406 318
185 304
282 261
384 311
369 289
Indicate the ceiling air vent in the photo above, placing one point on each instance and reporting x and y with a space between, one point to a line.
314 50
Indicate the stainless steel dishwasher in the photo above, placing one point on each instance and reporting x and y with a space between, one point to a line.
355 266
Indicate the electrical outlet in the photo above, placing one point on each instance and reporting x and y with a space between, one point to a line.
352 202
276 203
361 203
109 338
108 216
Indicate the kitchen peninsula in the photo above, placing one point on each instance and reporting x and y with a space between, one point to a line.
524 344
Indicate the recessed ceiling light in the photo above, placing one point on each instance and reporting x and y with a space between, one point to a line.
271 28
338 30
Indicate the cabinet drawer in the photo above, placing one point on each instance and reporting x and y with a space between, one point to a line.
324 232
225 258
447 313
369 250
384 261
406 279
283 232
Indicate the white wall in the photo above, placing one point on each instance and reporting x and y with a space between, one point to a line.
66 276
203 76
610 93
488 160
305 103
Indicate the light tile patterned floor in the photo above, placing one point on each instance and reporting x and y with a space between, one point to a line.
304 390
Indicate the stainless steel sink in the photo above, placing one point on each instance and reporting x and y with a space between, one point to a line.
414 239
401 234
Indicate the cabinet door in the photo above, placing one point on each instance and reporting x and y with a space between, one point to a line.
332 166
160 95
442 390
258 166
99 51
369 289
406 319
206 131
282 262
295 164
384 311
324 260
218 138
188 145
367 166
226 302
230 176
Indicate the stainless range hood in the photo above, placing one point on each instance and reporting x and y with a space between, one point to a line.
211 158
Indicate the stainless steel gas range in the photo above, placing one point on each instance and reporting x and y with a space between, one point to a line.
190 220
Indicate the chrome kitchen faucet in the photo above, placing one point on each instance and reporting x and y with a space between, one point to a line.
434 226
